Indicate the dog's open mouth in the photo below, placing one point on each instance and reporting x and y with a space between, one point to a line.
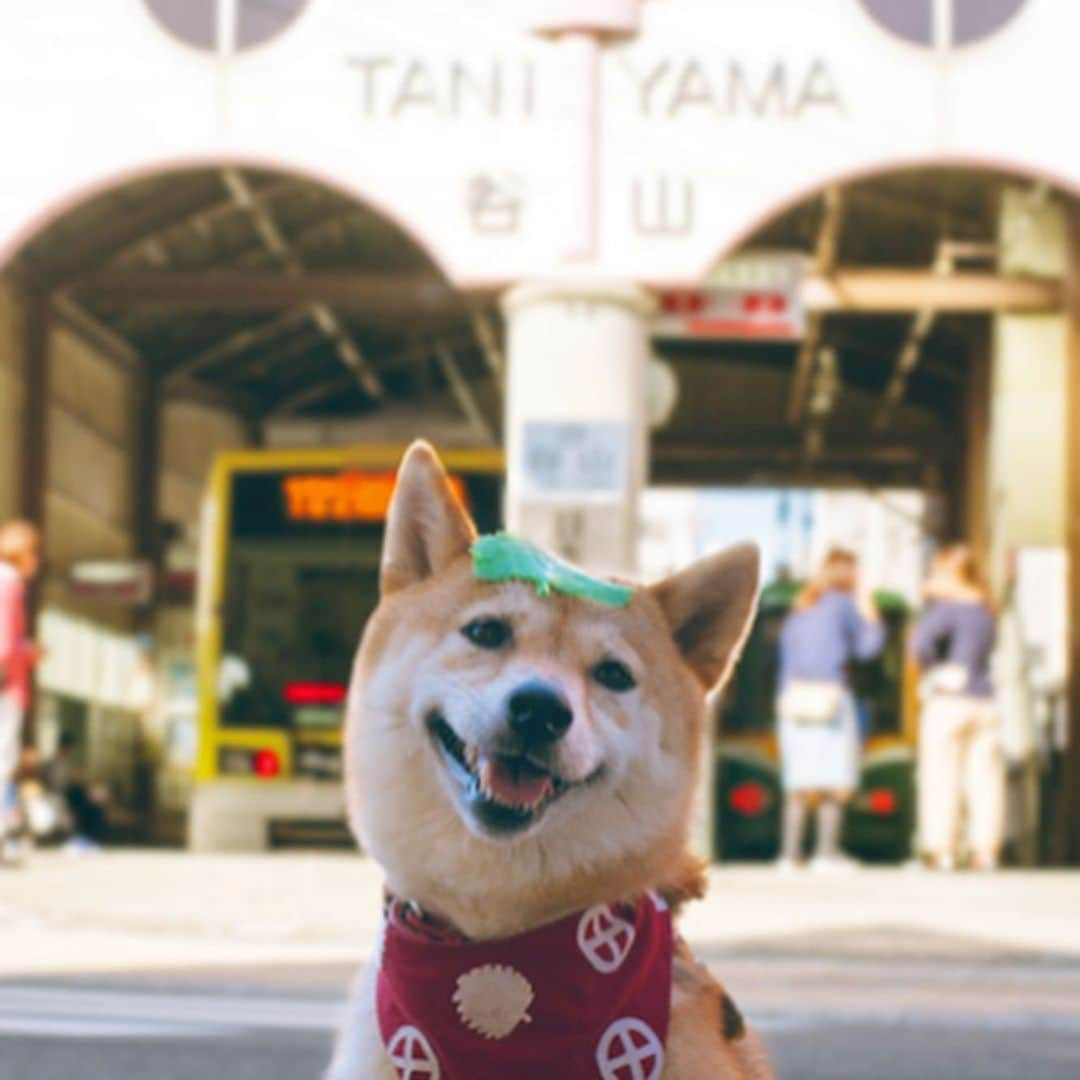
506 793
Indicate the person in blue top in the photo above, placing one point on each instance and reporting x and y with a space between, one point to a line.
960 756
831 624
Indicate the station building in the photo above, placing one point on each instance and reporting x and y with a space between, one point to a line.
591 245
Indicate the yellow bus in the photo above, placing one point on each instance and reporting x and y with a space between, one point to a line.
288 574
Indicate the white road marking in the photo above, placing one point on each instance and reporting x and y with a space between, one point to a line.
75 1013
766 1020
65 1027
72 1012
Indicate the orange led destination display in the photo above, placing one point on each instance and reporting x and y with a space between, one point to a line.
344 497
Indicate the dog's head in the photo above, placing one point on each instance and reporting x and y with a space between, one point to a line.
499 739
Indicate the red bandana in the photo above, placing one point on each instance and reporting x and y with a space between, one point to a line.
585 998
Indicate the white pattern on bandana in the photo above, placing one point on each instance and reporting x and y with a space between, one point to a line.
403 1050
630 1050
492 1000
605 938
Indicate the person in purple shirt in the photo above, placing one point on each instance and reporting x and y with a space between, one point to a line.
831 624
960 756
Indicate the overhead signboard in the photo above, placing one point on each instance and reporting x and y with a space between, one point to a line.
448 117
124 582
268 504
344 497
718 117
561 459
509 155
756 297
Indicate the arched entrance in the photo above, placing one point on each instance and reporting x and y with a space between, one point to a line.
922 343
161 320
895 275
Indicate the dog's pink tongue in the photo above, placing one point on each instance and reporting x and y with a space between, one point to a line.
514 783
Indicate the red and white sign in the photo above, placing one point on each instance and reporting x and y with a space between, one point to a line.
129 583
749 298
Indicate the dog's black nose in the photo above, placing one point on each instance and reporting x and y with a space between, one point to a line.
539 713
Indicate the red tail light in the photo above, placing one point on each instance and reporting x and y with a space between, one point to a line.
315 693
266 764
882 802
748 798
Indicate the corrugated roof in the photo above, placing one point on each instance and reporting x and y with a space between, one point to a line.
313 359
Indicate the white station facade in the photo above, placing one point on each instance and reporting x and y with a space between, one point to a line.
572 152
625 139
577 159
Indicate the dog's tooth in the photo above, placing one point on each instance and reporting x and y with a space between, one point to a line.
472 754
484 769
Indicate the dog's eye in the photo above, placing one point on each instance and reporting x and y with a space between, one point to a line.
488 633
614 675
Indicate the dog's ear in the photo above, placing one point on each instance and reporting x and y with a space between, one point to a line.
710 607
427 527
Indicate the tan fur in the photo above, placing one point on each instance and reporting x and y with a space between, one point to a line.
708 1037
615 839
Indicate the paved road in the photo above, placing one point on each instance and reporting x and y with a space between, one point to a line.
163 966
64 1030
848 1014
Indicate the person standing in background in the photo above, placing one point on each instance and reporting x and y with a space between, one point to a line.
832 623
20 559
960 758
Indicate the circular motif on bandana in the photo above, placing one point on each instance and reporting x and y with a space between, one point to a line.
630 1050
605 938
492 1000
412 1056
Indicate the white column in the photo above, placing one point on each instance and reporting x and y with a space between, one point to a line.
576 432
1027 469
1028 390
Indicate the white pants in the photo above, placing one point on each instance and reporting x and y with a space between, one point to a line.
960 762
10 746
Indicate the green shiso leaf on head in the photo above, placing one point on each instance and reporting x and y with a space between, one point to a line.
502 557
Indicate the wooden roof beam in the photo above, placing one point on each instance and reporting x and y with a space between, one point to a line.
105 340
142 230
393 295
250 337
322 315
825 257
201 218
419 296
462 392
243 404
484 328
788 454
907 360
907 292
312 392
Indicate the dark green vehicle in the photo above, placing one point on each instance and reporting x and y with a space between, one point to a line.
881 816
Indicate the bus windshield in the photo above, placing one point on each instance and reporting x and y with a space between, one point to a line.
294 612
301 580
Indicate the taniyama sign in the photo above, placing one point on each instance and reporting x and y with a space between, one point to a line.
508 155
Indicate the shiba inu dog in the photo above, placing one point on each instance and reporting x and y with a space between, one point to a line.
523 743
